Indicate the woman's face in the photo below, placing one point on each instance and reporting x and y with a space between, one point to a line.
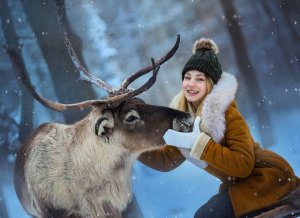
194 87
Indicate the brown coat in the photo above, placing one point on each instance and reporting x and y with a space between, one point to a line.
254 177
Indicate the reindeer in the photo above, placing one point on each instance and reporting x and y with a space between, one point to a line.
84 169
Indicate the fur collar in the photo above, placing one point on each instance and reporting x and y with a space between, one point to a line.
215 106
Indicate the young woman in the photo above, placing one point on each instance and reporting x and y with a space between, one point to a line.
252 178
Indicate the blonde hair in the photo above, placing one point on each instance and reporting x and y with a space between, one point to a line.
183 105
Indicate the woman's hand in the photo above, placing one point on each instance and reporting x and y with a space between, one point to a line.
183 139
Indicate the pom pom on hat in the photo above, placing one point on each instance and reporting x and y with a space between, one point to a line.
204 59
205 43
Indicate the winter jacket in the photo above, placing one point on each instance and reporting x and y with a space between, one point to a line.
254 177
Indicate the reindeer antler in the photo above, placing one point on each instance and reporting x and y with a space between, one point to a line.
114 96
84 74
148 68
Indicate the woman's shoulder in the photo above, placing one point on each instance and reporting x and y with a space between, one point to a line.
233 112
235 120
233 105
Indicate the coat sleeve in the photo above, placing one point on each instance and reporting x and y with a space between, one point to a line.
163 159
235 156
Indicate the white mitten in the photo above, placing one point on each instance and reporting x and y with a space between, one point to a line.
183 139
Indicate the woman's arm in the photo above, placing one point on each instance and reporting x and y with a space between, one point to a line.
163 159
235 156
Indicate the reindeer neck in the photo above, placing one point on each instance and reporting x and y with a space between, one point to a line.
105 164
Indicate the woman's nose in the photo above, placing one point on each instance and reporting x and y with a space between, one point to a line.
191 83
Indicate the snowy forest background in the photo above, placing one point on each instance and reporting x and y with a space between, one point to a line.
259 42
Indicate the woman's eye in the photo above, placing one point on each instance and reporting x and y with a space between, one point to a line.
187 78
131 118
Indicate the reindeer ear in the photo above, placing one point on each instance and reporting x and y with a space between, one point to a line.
105 124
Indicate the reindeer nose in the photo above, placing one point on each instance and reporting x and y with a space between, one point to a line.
183 124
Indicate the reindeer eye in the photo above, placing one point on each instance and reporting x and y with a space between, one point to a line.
131 118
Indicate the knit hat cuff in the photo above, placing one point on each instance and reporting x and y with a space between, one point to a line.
203 66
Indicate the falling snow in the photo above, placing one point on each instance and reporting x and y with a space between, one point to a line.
118 39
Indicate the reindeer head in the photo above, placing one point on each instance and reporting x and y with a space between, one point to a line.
135 125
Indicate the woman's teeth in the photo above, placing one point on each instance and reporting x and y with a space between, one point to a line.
192 92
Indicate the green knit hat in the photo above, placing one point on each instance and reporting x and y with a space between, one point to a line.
204 59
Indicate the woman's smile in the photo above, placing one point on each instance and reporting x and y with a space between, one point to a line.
192 92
